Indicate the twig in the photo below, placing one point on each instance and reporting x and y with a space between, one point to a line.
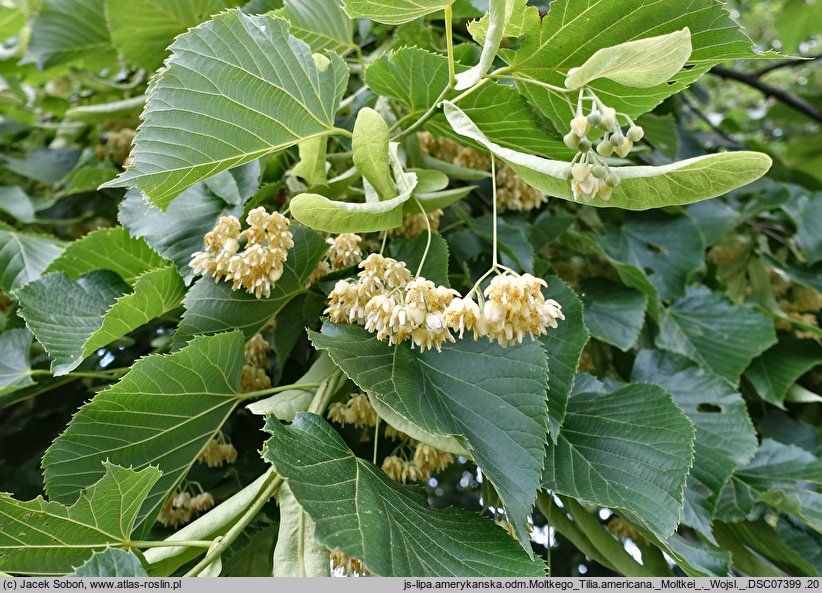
768 90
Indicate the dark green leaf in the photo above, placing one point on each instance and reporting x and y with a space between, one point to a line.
779 367
475 391
389 527
613 313
709 329
14 360
410 251
629 450
212 308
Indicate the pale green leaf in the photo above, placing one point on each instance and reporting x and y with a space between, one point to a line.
73 319
778 368
474 391
162 412
439 200
14 360
393 12
416 78
178 232
709 329
725 436
570 34
389 527
322 24
641 64
24 258
235 186
67 30
297 553
669 248
563 347
631 450
107 249
797 21
48 165
311 167
614 313
332 216
499 13
287 404
17 203
212 308
212 109
141 30
111 562
370 152
642 187
48 538
12 19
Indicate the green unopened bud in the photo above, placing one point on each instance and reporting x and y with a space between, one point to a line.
617 139
635 133
580 126
599 171
571 140
584 145
594 118
612 180
605 149
623 149
608 121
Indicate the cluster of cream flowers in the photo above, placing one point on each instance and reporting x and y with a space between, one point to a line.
258 264
343 251
427 460
396 307
181 506
357 411
217 452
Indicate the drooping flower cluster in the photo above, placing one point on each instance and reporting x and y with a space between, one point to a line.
217 452
343 251
413 224
357 411
254 375
388 302
425 461
180 507
348 565
254 266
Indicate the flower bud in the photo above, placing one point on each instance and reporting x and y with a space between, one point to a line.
599 171
594 118
608 120
571 140
635 133
580 125
604 148
612 180
580 171
604 191
617 139
584 145
623 149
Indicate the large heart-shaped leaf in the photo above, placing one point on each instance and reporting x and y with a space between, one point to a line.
297 553
48 538
614 313
389 527
24 257
216 105
492 399
322 24
642 187
162 412
631 450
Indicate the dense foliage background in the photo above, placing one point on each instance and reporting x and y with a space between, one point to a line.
693 329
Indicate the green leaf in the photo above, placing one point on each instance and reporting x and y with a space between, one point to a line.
806 212
178 232
287 404
780 475
236 186
12 19
498 110
63 314
15 366
67 30
370 152
725 436
563 347
24 258
643 63
795 22
331 216
322 24
73 319
410 251
47 538
629 450
111 562
162 412
297 553
389 527
312 161
142 29
765 540
499 13
709 329
810 276
778 368
107 249
569 35
669 247
213 308
492 399
17 203
393 12
211 109
642 187
614 313
48 165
